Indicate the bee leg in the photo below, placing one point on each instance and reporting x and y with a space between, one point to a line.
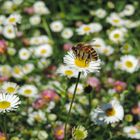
89 57
83 55
87 61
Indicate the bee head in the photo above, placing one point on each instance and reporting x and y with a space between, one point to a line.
74 48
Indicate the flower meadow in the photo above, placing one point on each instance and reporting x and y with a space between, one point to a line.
69 70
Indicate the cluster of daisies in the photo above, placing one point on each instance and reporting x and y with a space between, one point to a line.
8 25
9 99
34 38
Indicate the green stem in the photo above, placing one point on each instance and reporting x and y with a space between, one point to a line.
90 99
47 29
69 112
5 127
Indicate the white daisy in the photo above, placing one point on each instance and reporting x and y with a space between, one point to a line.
129 10
2 19
126 48
17 2
17 71
108 113
80 65
9 31
89 28
115 20
98 43
43 51
97 27
117 35
67 71
38 116
35 20
8 6
79 90
39 40
8 102
67 33
42 63
56 26
10 87
28 91
100 13
132 24
40 8
43 39
132 132
24 54
118 65
13 19
129 63
108 50
27 68
5 70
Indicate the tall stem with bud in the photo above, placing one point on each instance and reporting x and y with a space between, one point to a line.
69 112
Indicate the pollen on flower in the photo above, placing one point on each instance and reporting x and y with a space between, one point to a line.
12 19
116 35
110 112
132 132
10 89
60 132
129 64
68 72
9 31
116 20
43 51
17 70
4 104
86 28
81 63
28 91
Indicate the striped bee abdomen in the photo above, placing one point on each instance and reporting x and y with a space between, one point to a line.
85 51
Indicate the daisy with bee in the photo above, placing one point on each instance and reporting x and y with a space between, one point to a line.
84 58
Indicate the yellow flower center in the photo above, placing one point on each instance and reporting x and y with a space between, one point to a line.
119 87
4 104
116 20
17 70
87 28
106 51
56 26
2 137
10 89
24 53
37 118
132 132
60 132
129 64
81 63
27 91
79 134
68 72
12 20
43 51
110 112
78 89
116 35
9 31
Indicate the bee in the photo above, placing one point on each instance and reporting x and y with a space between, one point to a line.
85 51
